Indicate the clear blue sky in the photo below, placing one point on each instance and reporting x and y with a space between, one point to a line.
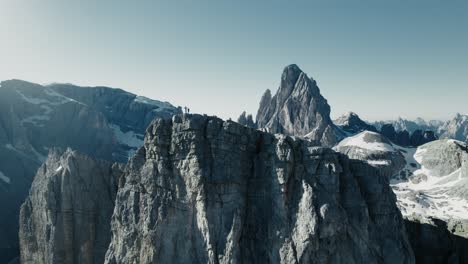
379 58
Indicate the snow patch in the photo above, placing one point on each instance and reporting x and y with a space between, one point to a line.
10 147
426 194
130 139
39 157
4 178
52 99
379 162
358 141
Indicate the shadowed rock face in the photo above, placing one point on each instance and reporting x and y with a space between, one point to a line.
66 217
298 109
432 242
202 190
101 122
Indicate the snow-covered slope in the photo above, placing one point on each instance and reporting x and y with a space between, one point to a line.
435 182
368 140
430 181
375 149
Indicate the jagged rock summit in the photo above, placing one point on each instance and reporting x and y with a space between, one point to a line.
352 124
66 217
204 190
298 109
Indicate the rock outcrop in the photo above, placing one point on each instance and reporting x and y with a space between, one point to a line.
298 109
246 120
66 217
202 190
352 124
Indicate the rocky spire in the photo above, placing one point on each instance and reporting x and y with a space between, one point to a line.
297 109
66 217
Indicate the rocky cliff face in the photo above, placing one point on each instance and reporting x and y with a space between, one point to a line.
101 122
298 109
202 190
66 217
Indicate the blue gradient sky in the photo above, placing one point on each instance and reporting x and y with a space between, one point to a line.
381 59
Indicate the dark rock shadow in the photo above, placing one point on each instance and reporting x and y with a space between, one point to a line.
434 244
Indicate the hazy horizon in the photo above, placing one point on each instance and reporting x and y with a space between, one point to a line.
380 60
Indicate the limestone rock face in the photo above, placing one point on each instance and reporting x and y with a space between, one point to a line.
66 217
298 109
202 190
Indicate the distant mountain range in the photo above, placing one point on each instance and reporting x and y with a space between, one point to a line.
455 128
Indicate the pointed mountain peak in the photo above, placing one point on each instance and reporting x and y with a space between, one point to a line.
291 74
346 118
350 114
292 68
351 123
297 109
